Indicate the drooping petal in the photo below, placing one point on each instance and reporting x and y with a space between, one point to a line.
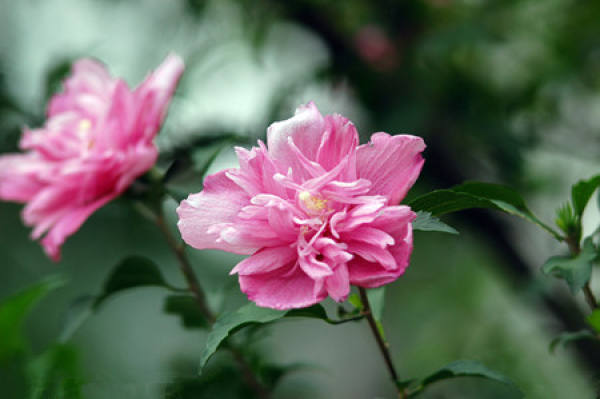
338 284
67 225
217 204
391 163
284 288
370 275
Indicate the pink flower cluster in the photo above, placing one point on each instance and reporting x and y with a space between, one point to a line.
96 141
316 211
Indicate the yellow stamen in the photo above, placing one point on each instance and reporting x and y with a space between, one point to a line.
85 124
312 202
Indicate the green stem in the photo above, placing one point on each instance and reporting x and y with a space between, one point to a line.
383 346
575 249
196 289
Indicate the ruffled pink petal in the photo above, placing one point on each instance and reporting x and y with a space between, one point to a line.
338 284
20 177
371 275
154 95
265 260
87 91
204 216
368 269
391 163
67 225
284 288
339 140
305 130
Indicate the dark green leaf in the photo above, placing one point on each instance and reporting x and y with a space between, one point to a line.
229 323
575 271
425 221
55 374
186 308
135 271
594 320
582 191
568 337
477 195
14 310
79 310
465 368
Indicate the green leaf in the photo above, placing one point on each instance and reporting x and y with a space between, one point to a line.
575 271
582 191
229 323
568 337
79 310
55 374
186 307
465 368
594 320
376 300
132 272
250 314
425 221
14 310
477 195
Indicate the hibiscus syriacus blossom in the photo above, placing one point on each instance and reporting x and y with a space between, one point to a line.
316 211
96 141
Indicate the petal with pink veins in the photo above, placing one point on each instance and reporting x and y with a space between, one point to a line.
391 163
218 203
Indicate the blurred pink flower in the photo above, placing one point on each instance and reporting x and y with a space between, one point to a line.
96 141
316 211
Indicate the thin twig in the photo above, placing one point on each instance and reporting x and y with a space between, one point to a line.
383 347
196 289
186 269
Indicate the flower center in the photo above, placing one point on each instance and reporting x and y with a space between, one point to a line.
313 203
85 125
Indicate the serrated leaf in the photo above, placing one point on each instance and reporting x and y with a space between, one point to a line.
465 368
132 272
229 323
186 307
14 310
425 221
568 337
582 191
477 195
55 374
594 320
576 271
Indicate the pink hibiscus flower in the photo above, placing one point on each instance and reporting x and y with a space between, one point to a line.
316 211
96 141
